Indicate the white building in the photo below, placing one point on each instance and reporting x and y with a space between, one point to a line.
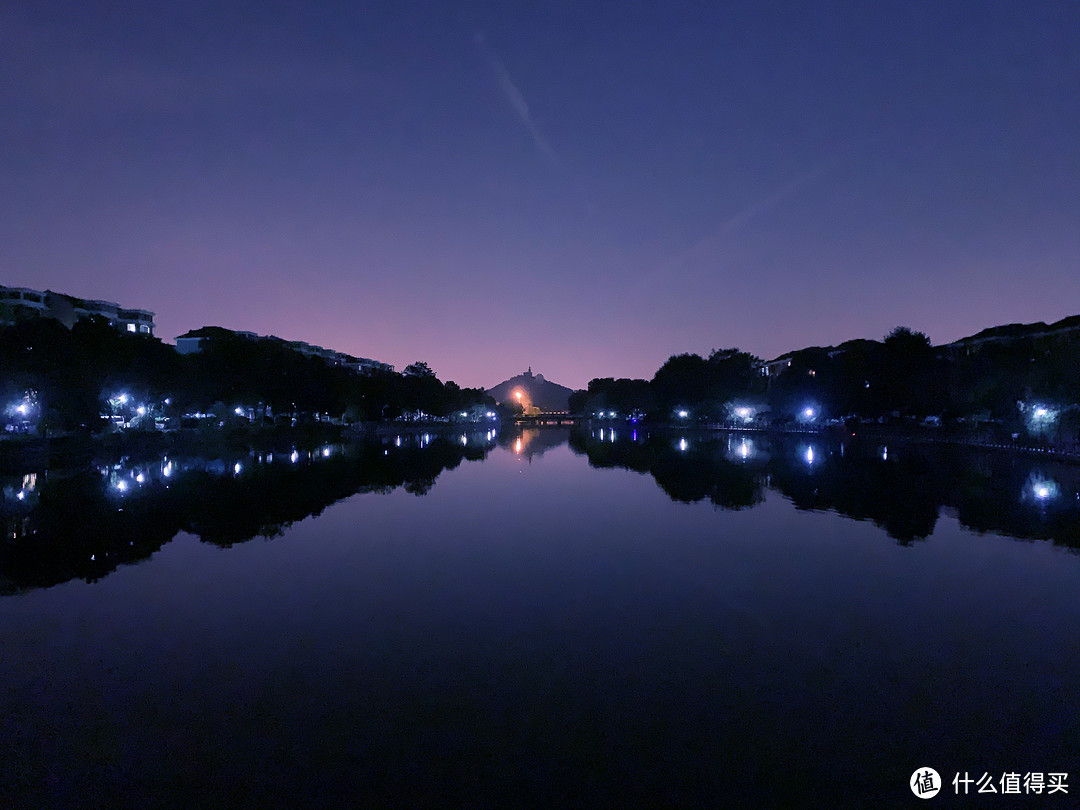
20 304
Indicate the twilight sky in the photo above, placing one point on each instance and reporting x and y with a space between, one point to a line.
584 188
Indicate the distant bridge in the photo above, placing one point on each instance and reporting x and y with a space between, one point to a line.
550 419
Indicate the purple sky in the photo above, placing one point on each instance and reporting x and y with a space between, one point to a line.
583 188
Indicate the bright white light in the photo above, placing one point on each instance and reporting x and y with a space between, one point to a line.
239 411
122 486
884 453
326 452
743 412
168 400
24 409
122 399
294 457
809 413
140 479
21 495
1042 492
397 441
131 327
463 413
464 441
141 410
809 455
237 467
491 414
683 445
744 450
167 470
683 414
1041 413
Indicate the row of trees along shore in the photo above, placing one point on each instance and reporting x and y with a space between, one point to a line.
75 379
72 379
1027 384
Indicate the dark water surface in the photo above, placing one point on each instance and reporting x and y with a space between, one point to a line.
530 621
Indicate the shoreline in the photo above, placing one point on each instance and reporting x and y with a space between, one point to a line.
73 450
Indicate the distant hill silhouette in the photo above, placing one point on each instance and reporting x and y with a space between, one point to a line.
541 393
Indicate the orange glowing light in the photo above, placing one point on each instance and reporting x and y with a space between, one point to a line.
518 394
517 446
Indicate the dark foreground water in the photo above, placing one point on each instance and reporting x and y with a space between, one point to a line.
530 621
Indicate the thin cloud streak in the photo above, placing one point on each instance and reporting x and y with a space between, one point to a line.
744 216
517 100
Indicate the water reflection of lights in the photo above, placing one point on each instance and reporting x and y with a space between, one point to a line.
397 441
464 440
683 445
884 453
744 449
294 457
1043 489
809 455
518 446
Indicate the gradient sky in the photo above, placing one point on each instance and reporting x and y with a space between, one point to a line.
584 188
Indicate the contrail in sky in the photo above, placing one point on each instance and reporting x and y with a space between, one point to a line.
517 101
744 216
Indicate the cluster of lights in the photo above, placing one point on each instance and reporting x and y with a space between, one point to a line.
24 407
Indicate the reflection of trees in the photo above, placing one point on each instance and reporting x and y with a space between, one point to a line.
701 472
902 496
903 493
79 529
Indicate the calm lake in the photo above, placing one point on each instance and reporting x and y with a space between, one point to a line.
540 619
